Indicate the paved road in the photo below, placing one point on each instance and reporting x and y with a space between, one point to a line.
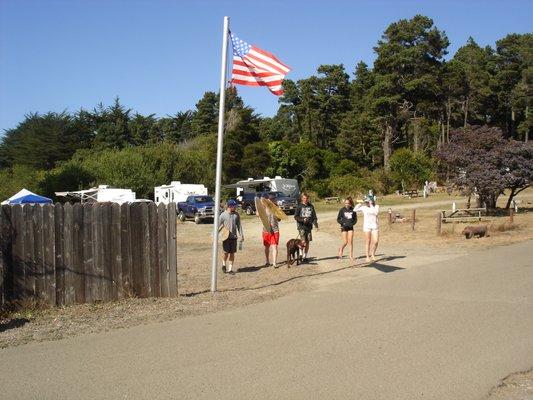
441 331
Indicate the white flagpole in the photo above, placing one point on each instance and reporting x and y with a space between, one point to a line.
220 144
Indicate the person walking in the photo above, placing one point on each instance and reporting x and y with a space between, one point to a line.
271 236
231 222
370 212
305 216
347 218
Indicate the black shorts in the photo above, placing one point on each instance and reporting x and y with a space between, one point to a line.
305 235
346 228
230 245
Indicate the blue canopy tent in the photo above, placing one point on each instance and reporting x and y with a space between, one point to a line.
27 197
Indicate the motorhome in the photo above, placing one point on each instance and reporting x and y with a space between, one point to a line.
102 193
289 187
177 192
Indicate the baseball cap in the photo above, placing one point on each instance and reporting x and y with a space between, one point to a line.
231 203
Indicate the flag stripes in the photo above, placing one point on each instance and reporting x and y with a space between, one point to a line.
255 67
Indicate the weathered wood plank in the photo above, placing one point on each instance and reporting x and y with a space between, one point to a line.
38 250
125 250
69 273
116 253
60 265
29 249
98 252
136 248
107 273
155 283
88 254
146 289
77 253
162 249
6 265
172 250
49 256
17 251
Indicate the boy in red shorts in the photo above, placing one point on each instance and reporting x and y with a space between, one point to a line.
271 237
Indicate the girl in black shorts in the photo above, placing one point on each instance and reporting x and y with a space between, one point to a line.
347 218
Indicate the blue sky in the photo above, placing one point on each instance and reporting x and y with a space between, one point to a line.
161 56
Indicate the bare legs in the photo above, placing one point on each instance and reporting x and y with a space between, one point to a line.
375 240
347 239
267 255
229 268
274 254
371 245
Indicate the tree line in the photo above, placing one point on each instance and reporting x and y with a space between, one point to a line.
384 127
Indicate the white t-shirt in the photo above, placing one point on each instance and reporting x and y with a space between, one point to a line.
370 214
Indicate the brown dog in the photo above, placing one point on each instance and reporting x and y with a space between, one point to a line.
472 230
293 251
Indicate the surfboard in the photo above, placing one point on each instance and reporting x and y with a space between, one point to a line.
223 233
274 209
261 211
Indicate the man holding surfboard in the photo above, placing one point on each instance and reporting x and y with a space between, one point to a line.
305 216
230 231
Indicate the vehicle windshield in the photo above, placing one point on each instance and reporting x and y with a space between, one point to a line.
203 199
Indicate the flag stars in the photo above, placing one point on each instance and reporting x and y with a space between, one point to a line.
240 47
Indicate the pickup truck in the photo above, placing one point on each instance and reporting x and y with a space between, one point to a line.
287 204
197 207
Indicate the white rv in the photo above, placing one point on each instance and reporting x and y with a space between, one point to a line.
102 193
289 187
177 192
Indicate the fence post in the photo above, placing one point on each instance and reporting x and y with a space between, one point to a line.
439 223
511 215
413 218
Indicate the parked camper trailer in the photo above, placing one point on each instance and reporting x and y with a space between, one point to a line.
289 187
177 192
102 193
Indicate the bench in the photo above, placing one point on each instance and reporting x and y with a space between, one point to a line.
463 215
332 200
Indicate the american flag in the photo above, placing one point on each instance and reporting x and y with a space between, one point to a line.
255 67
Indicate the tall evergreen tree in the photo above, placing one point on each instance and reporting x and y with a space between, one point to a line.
409 58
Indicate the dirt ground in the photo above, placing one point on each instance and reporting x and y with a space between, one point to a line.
399 245
518 386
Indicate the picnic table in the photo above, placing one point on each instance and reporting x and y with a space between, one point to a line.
332 200
410 193
463 214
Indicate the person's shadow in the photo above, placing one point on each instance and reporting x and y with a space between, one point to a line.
13 323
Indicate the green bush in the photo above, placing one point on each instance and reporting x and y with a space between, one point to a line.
381 182
12 180
344 167
348 185
410 169
320 187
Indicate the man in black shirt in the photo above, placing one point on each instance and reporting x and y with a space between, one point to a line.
305 217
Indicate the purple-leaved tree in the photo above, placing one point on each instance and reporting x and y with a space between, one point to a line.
483 162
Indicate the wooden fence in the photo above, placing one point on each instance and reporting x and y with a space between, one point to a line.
82 253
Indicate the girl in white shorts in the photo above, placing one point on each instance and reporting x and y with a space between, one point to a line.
370 226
